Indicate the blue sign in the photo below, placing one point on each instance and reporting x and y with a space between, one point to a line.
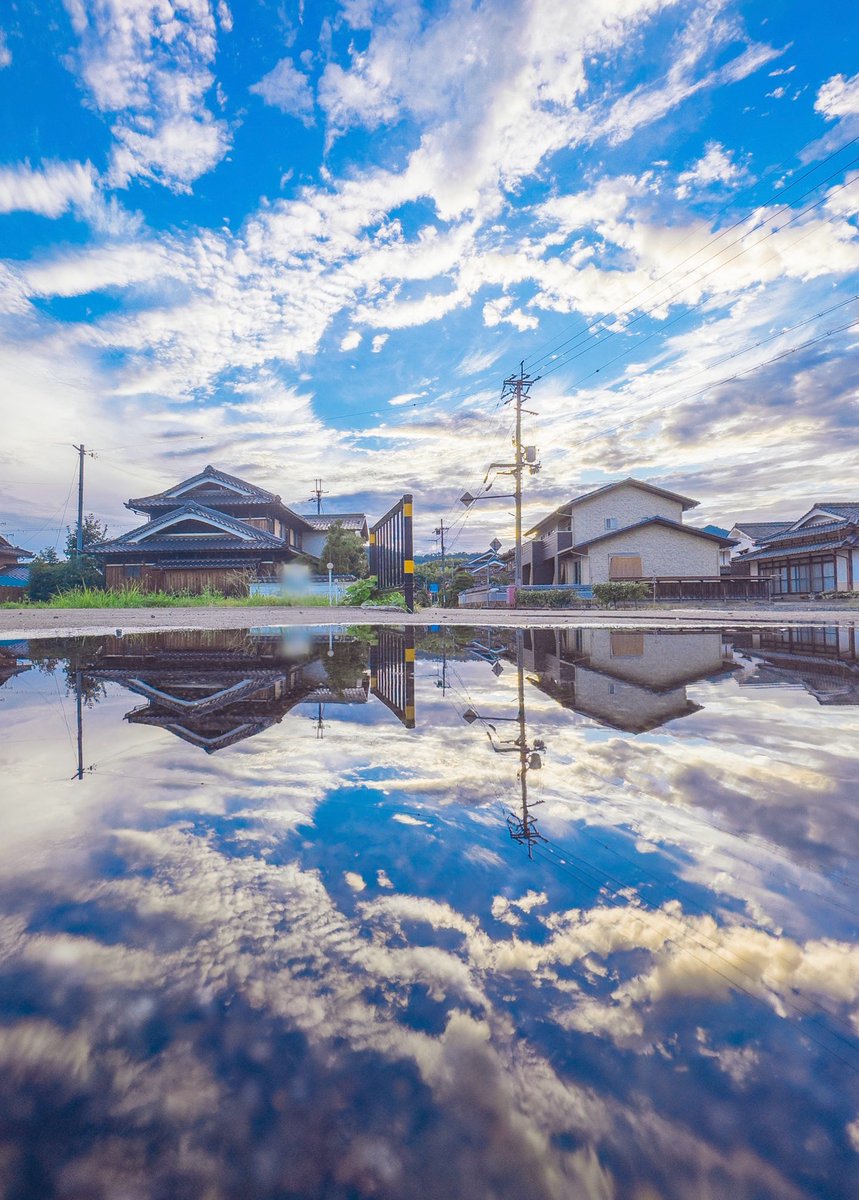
433 587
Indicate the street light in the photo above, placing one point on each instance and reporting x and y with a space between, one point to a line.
330 583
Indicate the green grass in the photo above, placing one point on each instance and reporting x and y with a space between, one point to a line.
134 598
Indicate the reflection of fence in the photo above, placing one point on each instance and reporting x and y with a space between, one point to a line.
392 673
392 554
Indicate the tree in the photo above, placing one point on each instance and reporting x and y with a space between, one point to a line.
93 531
48 555
344 548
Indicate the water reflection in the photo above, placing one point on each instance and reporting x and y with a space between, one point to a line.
541 914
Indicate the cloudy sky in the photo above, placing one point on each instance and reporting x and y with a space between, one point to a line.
311 239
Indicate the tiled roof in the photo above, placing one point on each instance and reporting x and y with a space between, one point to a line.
678 525
209 472
198 548
324 521
762 529
784 551
565 509
841 508
14 577
203 561
7 548
246 537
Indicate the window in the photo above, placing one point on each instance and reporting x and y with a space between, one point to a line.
612 523
132 572
823 575
800 577
625 566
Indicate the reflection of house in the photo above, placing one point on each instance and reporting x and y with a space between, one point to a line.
212 530
314 540
623 531
14 574
630 680
817 553
10 665
225 688
823 660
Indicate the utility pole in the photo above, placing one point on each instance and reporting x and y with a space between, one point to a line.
516 388
439 532
318 493
79 543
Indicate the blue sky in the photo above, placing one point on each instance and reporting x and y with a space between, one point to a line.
302 239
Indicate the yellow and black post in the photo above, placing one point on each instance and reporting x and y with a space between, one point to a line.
408 553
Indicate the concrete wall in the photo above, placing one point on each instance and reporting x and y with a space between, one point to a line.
664 552
312 543
629 504
666 659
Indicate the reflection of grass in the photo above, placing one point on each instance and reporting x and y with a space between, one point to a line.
135 598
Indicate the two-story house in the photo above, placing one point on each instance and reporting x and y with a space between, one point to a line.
212 530
629 530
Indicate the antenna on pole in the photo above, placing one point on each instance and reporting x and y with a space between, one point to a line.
318 493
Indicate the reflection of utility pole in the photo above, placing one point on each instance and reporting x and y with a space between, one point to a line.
523 829
442 682
320 721
79 774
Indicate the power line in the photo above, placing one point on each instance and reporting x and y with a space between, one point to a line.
535 358
568 355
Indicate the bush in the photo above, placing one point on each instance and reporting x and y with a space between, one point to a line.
360 592
47 579
553 598
621 593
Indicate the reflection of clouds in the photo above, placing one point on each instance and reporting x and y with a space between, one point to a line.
239 1018
270 942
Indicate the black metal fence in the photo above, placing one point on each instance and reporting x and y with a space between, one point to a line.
392 673
392 550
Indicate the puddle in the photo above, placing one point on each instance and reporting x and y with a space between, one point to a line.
430 913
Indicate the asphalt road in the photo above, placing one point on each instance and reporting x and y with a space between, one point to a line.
42 622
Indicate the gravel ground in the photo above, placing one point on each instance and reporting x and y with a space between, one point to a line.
41 622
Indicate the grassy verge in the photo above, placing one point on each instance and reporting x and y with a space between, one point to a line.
134 598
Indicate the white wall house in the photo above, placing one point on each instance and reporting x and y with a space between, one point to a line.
622 531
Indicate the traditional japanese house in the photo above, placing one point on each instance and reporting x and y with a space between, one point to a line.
215 689
210 531
817 553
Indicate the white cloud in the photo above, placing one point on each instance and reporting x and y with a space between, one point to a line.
288 89
49 190
5 52
148 64
379 341
716 166
351 341
838 97
405 398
